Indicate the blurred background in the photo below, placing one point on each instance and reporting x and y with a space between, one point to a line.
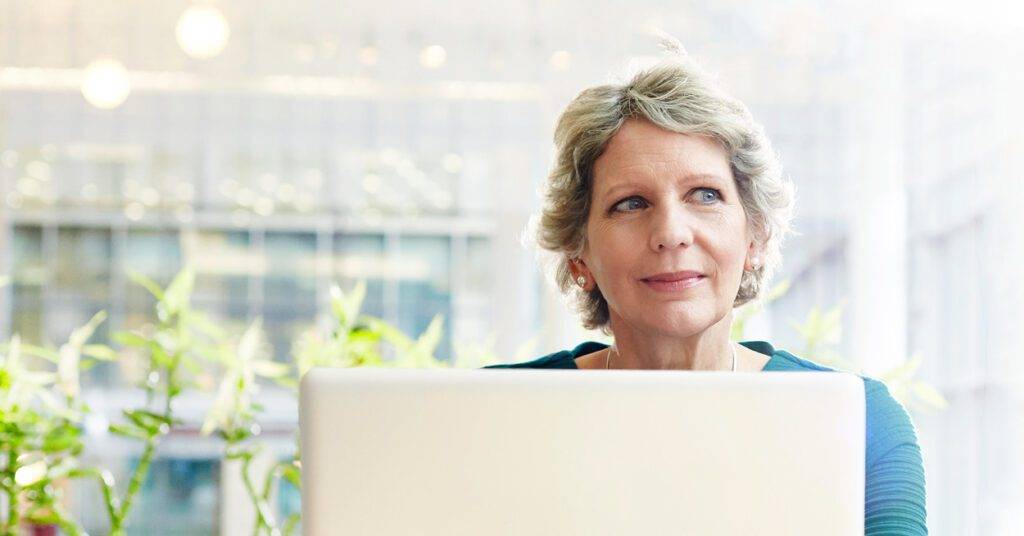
282 147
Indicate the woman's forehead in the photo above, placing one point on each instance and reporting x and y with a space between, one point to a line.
640 144
642 154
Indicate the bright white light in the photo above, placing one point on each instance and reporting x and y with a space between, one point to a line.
14 200
9 158
184 214
245 197
38 169
451 163
369 55
264 206
28 187
228 187
31 473
202 32
285 192
560 60
185 191
150 197
130 188
268 181
106 84
314 178
305 202
442 200
371 183
305 53
134 211
433 56
406 168
389 156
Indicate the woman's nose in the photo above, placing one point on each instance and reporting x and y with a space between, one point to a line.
671 227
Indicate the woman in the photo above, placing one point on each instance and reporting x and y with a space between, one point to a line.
665 210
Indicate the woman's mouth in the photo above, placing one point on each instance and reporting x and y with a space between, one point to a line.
675 285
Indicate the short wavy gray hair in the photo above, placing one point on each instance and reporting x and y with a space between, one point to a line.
676 95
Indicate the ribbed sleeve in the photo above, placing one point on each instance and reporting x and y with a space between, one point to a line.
894 494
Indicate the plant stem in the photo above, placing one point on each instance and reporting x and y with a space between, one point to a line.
264 519
12 512
136 482
65 522
289 526
12 494
142 469
106 486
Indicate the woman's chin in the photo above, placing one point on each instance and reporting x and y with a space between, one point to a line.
681 324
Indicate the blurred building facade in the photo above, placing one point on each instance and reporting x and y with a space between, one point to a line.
332 143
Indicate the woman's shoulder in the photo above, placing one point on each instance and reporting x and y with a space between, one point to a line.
888 422
564 359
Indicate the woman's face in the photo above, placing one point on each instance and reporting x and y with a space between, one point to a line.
665 202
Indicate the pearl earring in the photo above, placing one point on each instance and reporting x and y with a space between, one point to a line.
581 281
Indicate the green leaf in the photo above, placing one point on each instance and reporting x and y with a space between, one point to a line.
191 365
99 351
426 344
178 292
160 356
929 394
128 431
83 333
389 333
147 284
287 381
148 420
130 338
904 370
202 323
292 475
44 516
34 351
61 438
778 290
249 344
269 369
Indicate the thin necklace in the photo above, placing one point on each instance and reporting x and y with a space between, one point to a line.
608 356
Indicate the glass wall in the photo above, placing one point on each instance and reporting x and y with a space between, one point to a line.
331 144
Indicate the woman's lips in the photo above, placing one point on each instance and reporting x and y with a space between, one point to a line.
674 286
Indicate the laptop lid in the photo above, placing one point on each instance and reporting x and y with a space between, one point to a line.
527 451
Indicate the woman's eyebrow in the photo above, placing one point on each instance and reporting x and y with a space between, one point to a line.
690 177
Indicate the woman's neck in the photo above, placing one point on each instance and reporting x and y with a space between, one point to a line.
709 349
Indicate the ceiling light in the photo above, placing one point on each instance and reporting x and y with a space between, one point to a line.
106 83
202 32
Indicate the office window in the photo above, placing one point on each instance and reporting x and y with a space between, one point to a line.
423 272
361 257
289 288
29 274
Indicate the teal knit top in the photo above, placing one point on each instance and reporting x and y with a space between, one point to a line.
894 496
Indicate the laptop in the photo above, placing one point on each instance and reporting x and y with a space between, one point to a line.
594 452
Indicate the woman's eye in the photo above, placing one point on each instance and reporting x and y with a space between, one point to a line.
628 202
708 195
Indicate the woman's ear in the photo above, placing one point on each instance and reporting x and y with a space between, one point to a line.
580 274
755 257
